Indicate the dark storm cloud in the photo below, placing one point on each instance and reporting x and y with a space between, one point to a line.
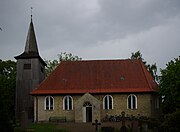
93 29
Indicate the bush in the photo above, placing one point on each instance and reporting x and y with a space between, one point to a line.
172 122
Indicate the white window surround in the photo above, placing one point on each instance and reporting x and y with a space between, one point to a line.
68 100
48 106
131 101
108 101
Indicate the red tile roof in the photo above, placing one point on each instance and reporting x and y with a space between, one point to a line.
98 76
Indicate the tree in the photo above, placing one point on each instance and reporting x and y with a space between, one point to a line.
137 55
63 56
151 68
170 86
7 93
171 122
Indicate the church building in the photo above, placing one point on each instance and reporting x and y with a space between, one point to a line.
82 91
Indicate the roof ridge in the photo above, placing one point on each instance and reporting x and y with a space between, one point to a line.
101 60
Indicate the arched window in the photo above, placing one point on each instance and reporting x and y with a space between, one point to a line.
49 103
132 101
108 102
67 103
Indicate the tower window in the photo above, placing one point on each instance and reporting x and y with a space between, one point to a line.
157 102
42 69
27 66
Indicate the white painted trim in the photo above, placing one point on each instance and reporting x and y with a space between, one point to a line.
131 97
84 114
68 97
49 106
108 97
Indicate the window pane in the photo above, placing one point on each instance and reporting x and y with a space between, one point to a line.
110 102
47 103
157 105
134 102
105 103
27 66
129 102
66 103
42 70
70 103
51 103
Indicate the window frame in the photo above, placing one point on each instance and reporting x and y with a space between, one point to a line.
106 105
133 102
157 102
50 105
27 66
69 98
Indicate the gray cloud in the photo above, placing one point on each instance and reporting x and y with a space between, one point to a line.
93 29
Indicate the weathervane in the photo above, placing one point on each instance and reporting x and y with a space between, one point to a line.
31 13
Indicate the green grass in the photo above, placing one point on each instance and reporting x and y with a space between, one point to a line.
41 127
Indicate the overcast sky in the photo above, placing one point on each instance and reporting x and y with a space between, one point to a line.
93 29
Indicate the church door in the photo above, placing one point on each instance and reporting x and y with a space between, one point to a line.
87 112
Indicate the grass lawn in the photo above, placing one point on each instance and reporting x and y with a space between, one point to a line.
41 127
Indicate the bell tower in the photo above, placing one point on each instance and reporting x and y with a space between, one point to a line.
30 72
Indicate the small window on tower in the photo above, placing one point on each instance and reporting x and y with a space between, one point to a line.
27 66
42 69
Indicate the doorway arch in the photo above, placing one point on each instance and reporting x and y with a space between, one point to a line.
85 103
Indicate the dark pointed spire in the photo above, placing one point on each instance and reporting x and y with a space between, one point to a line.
31 47
31 44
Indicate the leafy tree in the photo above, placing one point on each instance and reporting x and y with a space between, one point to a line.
170 86
151 68
171 123
63 56
137 55
7 93
51 65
